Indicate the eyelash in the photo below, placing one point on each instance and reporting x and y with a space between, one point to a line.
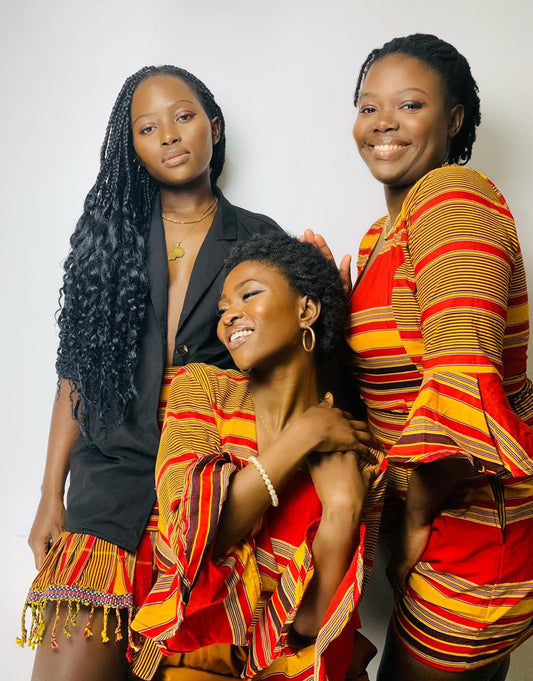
249 294
410 106
182 118
245 296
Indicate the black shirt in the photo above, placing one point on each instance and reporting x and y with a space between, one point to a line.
112 487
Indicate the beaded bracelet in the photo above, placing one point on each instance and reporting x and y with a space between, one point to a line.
266 480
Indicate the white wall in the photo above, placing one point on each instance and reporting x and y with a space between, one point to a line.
283 72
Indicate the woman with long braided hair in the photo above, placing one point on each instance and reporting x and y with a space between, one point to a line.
139 294
439 323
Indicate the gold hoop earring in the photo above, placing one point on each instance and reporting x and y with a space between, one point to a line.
311 347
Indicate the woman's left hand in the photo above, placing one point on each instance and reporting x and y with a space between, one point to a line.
345 265
341 479
412 546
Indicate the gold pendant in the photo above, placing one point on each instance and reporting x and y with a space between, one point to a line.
176 252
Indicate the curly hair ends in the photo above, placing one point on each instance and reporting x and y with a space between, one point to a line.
309 273
455 72
105 284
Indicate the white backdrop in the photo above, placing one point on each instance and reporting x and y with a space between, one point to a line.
283 72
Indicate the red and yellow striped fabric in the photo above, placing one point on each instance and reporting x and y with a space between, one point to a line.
249 597
81 569
440 326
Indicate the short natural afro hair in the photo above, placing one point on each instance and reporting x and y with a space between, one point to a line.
309 273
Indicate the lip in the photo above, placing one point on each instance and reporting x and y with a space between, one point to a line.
175 157
234 343
387 149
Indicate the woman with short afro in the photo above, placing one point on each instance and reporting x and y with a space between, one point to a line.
268 491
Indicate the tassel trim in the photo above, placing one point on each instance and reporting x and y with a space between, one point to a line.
73 598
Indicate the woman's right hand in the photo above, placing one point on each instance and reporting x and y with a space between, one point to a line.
344 268
334 430
47 526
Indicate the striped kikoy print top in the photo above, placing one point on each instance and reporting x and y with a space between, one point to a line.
440 327
439 323
250 596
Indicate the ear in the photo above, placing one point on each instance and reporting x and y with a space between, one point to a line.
455 119
309 311
215 130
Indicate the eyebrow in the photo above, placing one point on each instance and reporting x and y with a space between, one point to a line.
170 106
400 92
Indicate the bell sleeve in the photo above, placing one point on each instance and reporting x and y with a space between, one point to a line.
193 476
270 641
469 287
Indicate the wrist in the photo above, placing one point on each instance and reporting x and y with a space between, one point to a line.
52 492
342 513
303 440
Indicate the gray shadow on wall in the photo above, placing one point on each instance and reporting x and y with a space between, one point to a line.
375 609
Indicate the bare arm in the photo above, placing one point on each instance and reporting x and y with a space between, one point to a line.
429 487
341 487
321 428
50 514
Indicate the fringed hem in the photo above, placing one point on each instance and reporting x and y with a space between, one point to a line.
74 599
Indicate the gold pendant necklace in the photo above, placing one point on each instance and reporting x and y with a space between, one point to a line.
178 251
389 226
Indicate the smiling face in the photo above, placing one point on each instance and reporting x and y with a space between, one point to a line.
261 317
404 124
172 135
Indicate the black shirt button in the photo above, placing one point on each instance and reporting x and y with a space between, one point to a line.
180 355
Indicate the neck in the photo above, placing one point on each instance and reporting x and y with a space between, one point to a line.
186 201
394 198
285 392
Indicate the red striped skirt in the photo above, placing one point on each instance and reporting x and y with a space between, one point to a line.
83 570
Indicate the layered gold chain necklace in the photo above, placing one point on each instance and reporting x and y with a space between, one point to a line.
178 251
389 226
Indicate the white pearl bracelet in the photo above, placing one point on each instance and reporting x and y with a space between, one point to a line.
266 480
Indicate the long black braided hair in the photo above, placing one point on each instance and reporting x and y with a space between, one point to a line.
453 68
105 285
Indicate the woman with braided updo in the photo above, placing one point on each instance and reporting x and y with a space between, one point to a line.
439 323
139 293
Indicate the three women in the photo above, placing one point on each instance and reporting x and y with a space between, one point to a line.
439 326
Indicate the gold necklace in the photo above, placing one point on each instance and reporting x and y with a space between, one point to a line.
258 413
269 432
388 226
178 251
210 208
302 466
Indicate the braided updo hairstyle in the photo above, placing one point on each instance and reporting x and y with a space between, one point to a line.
453 68
105 284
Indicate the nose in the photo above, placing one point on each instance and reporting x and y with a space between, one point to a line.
231 315
386 120
169 136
